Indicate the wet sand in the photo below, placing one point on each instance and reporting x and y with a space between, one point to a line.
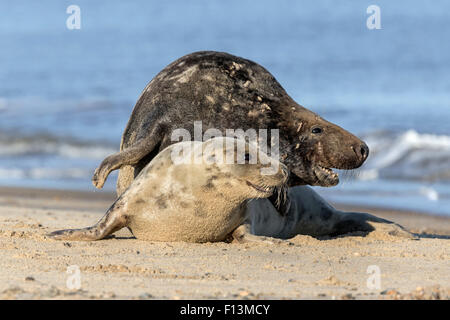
121 267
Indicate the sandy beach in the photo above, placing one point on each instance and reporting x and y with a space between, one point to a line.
121 267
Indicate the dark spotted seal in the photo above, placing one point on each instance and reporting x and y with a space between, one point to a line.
197 198
228 92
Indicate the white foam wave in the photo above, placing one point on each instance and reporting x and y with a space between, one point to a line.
24 146
409 155
43 173
429 193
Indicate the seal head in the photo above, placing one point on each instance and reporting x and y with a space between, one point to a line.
315 146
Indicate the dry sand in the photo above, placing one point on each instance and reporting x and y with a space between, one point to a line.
33 267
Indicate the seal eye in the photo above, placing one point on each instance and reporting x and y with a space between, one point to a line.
316 130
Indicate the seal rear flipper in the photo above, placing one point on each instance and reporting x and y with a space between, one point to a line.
86 234
112 221
128 156
359 221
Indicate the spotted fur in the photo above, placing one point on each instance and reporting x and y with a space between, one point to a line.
228 92
190 203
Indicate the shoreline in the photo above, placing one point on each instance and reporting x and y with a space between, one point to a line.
122 267
18 191
416 221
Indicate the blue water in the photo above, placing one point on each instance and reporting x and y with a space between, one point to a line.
66 95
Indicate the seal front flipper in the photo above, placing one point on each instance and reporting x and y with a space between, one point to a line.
242 235
113 220
128 156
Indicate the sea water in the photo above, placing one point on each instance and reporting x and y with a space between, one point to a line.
66 95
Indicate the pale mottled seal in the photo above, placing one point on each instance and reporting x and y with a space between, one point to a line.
201 200
228 92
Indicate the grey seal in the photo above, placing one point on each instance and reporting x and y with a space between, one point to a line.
224 91
309 214
197 198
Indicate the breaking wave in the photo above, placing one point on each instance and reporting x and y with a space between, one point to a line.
407 156
48 145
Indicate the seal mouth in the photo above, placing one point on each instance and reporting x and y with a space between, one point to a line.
266 190
326 175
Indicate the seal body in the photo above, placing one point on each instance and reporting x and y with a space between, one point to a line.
188 193
309 214
223 91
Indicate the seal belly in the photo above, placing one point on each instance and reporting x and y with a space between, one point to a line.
184 225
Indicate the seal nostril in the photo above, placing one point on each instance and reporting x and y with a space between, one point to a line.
364 151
